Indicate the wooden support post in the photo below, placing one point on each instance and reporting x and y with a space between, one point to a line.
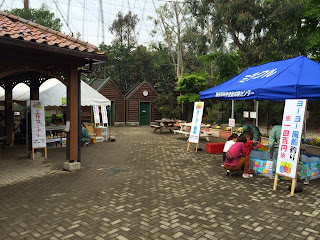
34 95
8 112
293 186
72 115
275 182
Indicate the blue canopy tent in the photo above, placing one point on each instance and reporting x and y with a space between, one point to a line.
295 78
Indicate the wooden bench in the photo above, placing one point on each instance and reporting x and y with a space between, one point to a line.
156 127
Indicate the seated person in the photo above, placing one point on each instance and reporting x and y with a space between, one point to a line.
85 136
54 119
59 121
239 158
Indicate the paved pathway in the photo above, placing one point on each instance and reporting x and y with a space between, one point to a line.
146 186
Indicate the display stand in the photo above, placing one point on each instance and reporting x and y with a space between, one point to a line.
45 152
189 143
294 112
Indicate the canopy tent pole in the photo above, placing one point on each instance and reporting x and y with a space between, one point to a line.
257 110
232 114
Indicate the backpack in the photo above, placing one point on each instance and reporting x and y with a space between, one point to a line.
229 156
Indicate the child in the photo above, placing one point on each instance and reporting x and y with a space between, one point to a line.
249 144
231 140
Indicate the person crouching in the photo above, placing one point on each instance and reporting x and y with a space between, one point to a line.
239 158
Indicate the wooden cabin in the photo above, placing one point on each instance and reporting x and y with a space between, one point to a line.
140 107
109 89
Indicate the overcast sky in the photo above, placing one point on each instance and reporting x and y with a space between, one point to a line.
88 19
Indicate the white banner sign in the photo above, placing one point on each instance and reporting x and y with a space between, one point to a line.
96 114
289 147
196 122
232 122
38 127
104 115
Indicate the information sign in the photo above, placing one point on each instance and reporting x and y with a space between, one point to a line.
289 147
196 122
104 115
232 122
245 114
38 127
96 114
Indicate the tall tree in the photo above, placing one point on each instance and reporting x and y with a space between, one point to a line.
262 30
171 22
310 30
124 28
41 16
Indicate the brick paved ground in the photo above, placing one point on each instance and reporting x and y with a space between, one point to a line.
146 186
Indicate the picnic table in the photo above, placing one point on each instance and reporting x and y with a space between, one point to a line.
164 124
185 130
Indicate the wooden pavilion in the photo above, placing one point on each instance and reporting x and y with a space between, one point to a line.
31 54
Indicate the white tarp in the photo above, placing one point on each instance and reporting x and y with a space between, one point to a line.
53 91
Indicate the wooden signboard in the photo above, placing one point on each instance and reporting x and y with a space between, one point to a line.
196 125
290 141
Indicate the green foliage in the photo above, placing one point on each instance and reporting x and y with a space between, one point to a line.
48 118
129 66
167 106
191 85
41 16
212 116
310 30
262 30
225 66
124 28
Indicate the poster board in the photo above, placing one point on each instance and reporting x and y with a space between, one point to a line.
96 115
196 124
38 127
232 122
104 115
290 140
253 115
245 114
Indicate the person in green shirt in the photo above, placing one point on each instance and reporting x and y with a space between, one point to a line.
254 130
274 137
85 136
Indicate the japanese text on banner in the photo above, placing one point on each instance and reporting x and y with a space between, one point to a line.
196 122
289 146
38 127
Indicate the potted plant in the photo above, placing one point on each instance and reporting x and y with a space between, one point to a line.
313 146
225 133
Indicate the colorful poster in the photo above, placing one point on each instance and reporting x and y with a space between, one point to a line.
38 127
289 146
104 115
64 101
96 114
196 122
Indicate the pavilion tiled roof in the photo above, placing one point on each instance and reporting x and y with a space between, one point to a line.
18 28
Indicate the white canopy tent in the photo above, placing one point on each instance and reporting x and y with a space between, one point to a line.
53 91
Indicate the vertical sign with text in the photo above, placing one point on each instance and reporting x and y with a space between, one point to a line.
289 146
96 114
104 115
196 122
38 127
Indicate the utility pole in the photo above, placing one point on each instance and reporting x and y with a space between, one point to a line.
83 17
102 20
68 15
26 4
